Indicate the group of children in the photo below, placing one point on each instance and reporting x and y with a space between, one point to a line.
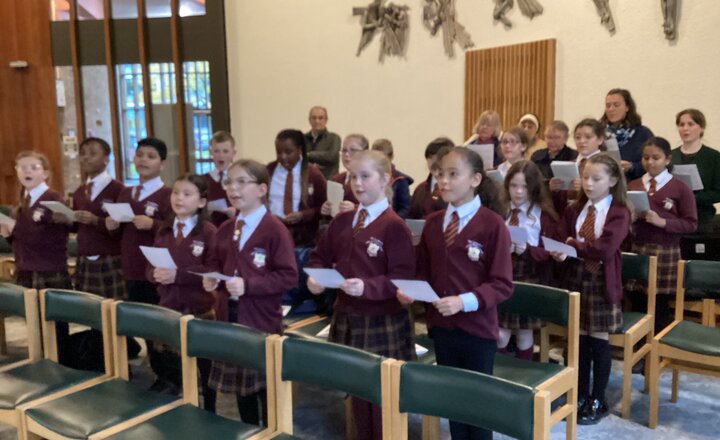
277 220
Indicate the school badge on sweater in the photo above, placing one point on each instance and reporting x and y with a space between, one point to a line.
373 247
37 214
259 257
474 250
197 248
150 209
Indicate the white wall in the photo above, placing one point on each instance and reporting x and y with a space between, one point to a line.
287 55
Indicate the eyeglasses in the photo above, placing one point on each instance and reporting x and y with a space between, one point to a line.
240 183
33 167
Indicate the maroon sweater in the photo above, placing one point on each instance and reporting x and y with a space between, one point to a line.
422 203
681 217
157 204
605 248
395 259
95 239
216 192
39 244
186 294
304 232
265 283
451 272
340 178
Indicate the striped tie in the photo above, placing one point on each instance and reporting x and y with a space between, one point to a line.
138 190
88 190
514 218
237 234
653 187
451 231
587 231
436 192
360 225
288 196
179 236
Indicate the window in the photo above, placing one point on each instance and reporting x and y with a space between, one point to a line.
196 77
132 116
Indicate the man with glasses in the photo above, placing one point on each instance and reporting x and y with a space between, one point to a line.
556 136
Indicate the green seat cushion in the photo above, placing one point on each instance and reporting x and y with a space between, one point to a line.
429 357
629 320
188 422
86 412
309 331
30 382
695 338
286 437
12 300
528 373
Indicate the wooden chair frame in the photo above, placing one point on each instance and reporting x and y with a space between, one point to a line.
282 410
399 420
34 333
664 356
645 328
119 360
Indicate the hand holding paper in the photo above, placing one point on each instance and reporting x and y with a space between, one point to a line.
335 195
417 290
556 246
565 171
158 257
518 234
486 152
328 278
639 200
59 208
120 212
213 275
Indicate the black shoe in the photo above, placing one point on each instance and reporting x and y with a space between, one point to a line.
159 386
592 412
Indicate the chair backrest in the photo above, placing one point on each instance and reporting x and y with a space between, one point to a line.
466 396
703 276
17 301
226 342
534 300
334 366
642 268
146 321
12 300
73 307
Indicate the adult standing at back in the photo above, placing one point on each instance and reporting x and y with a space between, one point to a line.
625 125
323 147
556 136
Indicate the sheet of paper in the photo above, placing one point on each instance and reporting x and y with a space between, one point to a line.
556 246
496 176
565 171
684 178
285 310
417 290
213 275
335 195
217 205
5 220
487 154
613 150
120 212
60 208
639 200
158 257
324 333
415 226
691 170
420 350
518 234
328 278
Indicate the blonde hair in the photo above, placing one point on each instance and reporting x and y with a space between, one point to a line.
381 164
222 136
493 118
362 140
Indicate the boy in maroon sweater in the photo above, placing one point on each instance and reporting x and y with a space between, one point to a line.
222 151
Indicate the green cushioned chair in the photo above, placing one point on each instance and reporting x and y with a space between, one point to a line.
702 290
636 326
42 380
685 345
469 397
221 341
333 366
18 301
116 404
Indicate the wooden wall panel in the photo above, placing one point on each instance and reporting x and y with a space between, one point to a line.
512 80
28 112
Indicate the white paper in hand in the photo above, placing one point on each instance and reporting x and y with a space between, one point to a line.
5 220
486 152
328 278
417 290
158 257
496 175
120 212
556 246
613 150
324 333
518 234
214 275
60 208
565 171
335 195
696 183
639 200
217 205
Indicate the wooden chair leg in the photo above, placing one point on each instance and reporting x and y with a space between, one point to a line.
654 386
571 421
627 377
3 339
648 359
675 385
430 428
544 344
350 431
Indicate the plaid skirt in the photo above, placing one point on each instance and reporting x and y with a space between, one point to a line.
523 270
43 280
667 257
596 313
384 335
102 277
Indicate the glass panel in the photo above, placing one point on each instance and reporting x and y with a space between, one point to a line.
124 9
67 125
90 10
192 7
59 10
96 101
196 77
131 113
157 9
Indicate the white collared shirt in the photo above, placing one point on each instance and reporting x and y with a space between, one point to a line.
252 221
215 174
531 223
37 192
503 168
660 180
99 183
373 211
188 225
465 212
601 210
277 189
149 187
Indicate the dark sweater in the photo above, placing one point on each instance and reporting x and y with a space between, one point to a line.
542 159
632 151
401 192
340 178
422 202
681 218
95 239
451 272
708 162
324 152
349 254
